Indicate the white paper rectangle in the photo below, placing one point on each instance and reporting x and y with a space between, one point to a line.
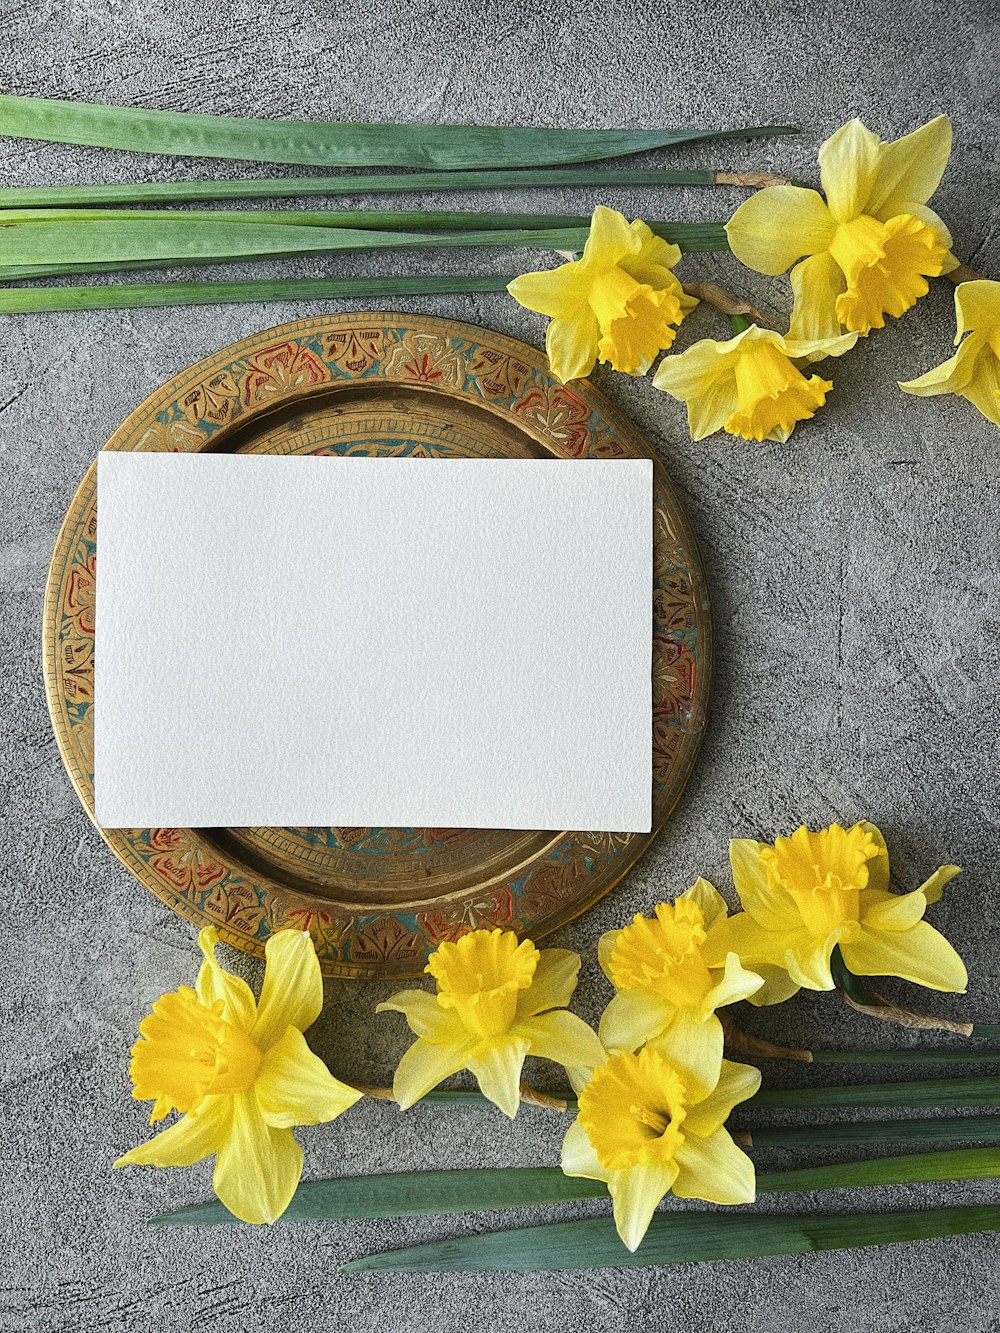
361 641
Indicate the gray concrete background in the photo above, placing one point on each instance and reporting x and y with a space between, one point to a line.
854 574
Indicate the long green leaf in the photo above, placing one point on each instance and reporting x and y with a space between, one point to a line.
894 1133
177 238
673 1238
129 296
333 143
391 219
937 1092
944 1055
428 1193
300 187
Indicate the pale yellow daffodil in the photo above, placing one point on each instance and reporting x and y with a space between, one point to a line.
974 371
752 386
871 244
644 1131
667 993
813 892
241 1073
497 1002
618 303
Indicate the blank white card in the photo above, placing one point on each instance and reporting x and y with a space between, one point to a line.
359 641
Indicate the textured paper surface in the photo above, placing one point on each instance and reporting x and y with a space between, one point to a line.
356 641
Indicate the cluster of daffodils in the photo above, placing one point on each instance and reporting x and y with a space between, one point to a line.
862 249
654 1089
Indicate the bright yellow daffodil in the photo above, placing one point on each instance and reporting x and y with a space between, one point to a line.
644 1131
241 1073
810 893
618 303
974 371
667 992
751 386
872 243
497 1002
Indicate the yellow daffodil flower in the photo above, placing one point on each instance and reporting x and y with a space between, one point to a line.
974 371
497 1002
871 244
812 892
667 993
751 386
241 1074
643 1131
618 303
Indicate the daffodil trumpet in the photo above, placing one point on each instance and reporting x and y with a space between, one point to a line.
240 1073
498 1001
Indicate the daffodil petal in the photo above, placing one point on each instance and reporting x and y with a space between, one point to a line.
777 988
634 1017
215 983
553 984
653 261
424 1015
807 960
556 292
579 1157
909 170
769 907
891 911
562 1037
257 1168
977 306
736 1083
951 376
877 866
612 238
635 1194
713 906
848 170
703 377
194 1137
424 1066
775 227
571 345
714 1169
605 948
933 888
920 954
816 284
497 1065
292 994
983 387
294 1086
736 983
694 1048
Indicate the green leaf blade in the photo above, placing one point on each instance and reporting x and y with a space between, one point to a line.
300 187
332 143
673 1238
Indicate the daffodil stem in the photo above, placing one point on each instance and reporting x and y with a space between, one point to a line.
854 992
734 306
964 273
740 323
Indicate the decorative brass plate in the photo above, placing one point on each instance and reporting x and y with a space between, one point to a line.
377 900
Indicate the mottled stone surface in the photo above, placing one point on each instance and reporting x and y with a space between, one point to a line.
854 575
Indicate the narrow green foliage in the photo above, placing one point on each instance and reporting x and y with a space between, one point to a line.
673 1238
333 143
